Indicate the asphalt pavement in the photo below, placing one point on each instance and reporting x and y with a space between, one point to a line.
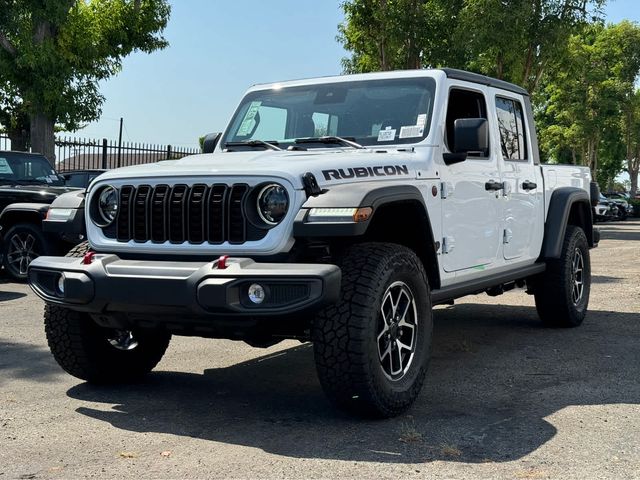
504 398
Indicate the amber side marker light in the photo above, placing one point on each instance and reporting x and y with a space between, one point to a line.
362 214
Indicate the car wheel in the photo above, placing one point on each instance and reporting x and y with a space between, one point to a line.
21 245
98 354
562 292
372 348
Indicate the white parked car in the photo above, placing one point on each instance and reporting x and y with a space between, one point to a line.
335 210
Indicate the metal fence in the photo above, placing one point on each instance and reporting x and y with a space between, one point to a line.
83 153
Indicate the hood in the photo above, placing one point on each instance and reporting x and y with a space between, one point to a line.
44 190
329 166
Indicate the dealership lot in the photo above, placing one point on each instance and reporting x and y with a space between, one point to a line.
505 398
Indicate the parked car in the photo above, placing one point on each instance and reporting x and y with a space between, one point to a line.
28 184
424 187
625 209
80 178
606 210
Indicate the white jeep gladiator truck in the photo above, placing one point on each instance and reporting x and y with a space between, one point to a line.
334 210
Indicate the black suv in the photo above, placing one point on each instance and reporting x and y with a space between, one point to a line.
28 184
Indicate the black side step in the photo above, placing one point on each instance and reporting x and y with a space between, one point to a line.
479 285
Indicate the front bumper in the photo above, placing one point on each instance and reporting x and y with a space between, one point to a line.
110 284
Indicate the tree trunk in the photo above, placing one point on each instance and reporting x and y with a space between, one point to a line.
634 183
19 140
633 166
42 136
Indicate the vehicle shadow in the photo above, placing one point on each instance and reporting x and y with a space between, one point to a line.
25 361
495 376
606 279
6 296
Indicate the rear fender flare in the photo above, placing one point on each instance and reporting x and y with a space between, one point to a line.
563 200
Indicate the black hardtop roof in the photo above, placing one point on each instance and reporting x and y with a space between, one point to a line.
483 80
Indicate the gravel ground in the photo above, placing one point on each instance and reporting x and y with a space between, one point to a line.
505 398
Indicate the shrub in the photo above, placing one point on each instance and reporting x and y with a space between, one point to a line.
636 207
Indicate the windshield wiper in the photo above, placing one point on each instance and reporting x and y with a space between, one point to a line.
271 145
330 140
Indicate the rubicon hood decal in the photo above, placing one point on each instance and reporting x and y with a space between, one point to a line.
361 172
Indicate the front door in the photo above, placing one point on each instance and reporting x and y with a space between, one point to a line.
471 206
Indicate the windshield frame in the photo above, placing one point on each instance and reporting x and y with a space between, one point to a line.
369 142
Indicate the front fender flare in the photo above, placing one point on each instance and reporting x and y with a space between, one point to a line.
364 194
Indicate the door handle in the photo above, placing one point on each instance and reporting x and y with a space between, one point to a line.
493 186
527 185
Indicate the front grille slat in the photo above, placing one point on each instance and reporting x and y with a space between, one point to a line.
237 225
141 218
123 227
177 213
181 213
196 209
217 215
159 202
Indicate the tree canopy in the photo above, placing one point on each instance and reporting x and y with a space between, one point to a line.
53 53
581 73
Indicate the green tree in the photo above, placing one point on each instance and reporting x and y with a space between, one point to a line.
53 53
583 102
516 40
631 134
397 34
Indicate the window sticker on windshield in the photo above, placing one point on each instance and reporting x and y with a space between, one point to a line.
387 135
248 121
411 131
422 120
5 168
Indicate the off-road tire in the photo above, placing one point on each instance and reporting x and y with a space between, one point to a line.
81 347
345 338
554 289
40 247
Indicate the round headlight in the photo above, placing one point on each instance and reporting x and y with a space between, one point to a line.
273 203
107 205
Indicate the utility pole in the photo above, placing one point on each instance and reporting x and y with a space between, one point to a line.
120 143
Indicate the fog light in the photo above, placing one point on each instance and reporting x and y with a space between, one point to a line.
61 280
256 293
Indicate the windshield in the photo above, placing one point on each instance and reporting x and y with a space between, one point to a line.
372 112
27 168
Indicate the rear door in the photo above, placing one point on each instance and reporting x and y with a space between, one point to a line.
522 195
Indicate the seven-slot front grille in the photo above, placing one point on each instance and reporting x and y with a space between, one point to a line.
184 213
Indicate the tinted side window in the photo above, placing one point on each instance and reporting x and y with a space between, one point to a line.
75 180
464 104
511 125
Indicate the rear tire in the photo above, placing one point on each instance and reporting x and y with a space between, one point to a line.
97 354
562 292
372 347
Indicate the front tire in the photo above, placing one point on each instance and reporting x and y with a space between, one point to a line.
97 354
562 292
372 347
22 244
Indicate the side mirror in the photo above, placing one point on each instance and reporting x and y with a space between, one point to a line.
470 135
210 142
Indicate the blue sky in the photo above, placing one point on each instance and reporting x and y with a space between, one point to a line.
217 50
